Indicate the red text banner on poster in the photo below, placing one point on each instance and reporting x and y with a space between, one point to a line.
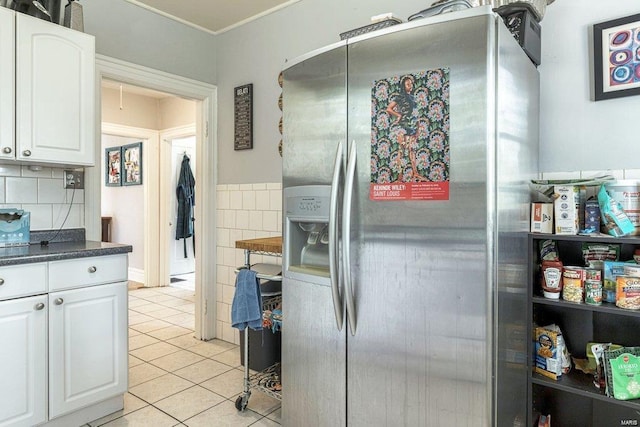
410 191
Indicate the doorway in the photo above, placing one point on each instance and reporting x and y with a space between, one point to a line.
205 96
179 145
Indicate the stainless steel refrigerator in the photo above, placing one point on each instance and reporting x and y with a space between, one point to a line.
405 239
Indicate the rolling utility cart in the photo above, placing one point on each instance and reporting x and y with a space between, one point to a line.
266 380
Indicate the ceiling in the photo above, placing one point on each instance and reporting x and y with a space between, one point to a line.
213 16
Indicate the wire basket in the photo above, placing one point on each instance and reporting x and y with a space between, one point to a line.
371 27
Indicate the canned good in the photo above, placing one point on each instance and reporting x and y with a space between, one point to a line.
628 292
573 284
593 292
592 274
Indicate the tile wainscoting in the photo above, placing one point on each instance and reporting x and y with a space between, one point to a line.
244 211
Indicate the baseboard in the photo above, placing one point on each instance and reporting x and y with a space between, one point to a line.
136 275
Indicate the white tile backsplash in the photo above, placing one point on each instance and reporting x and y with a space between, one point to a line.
245 211
71 216
632 174
21 190
51 191
37 172
249 200
41 217
41 192
10 170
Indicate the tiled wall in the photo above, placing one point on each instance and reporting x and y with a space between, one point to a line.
42 193
245 211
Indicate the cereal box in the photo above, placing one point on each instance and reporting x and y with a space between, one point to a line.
611 270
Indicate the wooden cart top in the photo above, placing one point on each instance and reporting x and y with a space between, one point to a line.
266 244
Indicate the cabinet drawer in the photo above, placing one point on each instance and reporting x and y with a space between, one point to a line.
23 280
78 272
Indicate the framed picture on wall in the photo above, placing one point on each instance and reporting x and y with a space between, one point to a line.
112 167
131 156
616 58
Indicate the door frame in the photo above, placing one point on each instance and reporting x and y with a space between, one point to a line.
166 216
205 96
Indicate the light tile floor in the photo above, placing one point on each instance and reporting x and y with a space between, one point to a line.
176 380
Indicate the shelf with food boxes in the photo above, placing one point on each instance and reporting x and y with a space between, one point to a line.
585 302
584 292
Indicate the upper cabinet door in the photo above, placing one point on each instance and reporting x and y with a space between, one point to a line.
55 93
7 117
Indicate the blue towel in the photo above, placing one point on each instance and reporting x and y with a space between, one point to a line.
246 309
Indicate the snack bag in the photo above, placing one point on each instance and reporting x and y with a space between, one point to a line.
551 354
614 219
623 373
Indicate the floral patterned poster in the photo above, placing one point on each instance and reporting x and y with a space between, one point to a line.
410 137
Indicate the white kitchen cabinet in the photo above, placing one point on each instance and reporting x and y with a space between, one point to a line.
54 93
7 71
87 346
23 364
64 357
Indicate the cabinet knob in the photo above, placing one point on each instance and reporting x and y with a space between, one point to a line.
7 150
58 301
26 153
92 269
1 281
39 306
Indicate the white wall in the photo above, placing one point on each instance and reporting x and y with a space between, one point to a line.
137 110
133 34
125 206
577 133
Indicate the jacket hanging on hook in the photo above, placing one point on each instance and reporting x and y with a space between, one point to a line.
186 201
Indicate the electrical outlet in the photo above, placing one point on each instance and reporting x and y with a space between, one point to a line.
74 179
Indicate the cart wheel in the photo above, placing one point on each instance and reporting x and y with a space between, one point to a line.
241 403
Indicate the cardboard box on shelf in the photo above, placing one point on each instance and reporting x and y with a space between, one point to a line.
542 217
566 209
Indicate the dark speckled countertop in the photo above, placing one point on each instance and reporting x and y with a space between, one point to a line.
65 245
57 251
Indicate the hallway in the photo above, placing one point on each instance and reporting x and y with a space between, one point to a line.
176 380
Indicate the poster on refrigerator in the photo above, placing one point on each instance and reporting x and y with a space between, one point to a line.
410 137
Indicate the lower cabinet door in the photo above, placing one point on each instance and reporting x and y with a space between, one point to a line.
87 346
23 361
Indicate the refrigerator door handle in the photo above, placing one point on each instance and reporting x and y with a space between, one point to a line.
346 237
334 271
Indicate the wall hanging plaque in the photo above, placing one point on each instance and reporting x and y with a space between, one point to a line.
243 117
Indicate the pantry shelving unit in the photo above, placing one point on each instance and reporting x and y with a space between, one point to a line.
267 379
574 400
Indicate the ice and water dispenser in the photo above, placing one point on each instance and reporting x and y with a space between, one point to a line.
307 233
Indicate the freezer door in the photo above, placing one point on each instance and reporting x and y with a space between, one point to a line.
314 98
422 271
313 349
